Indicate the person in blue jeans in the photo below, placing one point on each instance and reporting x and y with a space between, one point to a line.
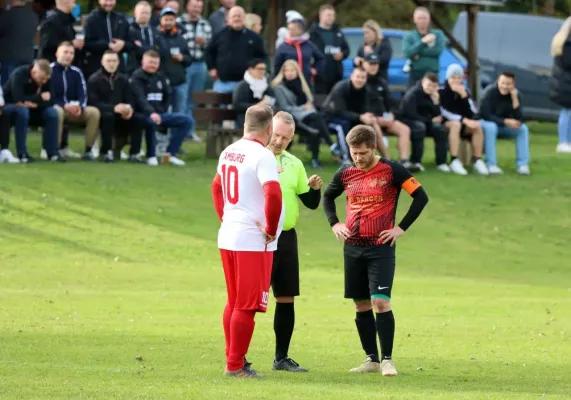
500 106
560 84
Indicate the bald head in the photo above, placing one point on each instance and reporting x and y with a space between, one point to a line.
236 17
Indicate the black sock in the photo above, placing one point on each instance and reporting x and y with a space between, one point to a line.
386 331
452 158
284 321
474 159
88 149
365 322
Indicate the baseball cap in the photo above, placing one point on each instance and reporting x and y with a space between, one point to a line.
372 58
166 11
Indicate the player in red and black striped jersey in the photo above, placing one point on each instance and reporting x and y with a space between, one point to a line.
372 185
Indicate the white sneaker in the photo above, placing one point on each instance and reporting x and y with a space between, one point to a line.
7 157
367 366
563 148
176 161
195 138
44 154
95 150
480 168
69 153
494 170
523 170
419 166
124 156
388 368
386 142
457 167
152 161
443 168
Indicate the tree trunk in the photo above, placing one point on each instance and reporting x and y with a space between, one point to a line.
549 7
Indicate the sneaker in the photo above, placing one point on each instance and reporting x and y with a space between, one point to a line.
43 154
388 368
316 164
95 150
443 168
195 139
247 365
480 168
243 373
335 150
456 167
367 366
7 157
108 158
494 170
287 364
152 161
58 158
176 161
563 148
69 153
523 170
419 167
88 156
135 160
124 156
410 166
26 158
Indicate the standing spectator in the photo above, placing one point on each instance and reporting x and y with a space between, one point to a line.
175 58
297 46
158 6
6 155
106 29
423 47
70 98
57 28
253 90
110 91
218 19
18 28
501 105
152 91
231 50
142 34
420 110
375 42
173 5
329 39
560 84
254 23
291 15
28 96
197 33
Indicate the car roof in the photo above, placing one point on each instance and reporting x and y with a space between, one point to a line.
387 32
521 17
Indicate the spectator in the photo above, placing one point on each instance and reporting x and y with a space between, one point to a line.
18 28
6 155
218 19
329 39
106 29
501 105
197 33
28 97
291 15
375 42
110 91
381 107
297 46
253 90
152 91
175 58
57 28
142 34
423 47
158 6
460 116
230 51
294 96
254 23
173 5
560 84
70 98
420 110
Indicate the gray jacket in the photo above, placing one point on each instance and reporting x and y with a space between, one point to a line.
285 100
217 20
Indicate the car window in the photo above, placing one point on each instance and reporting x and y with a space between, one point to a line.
489 32
396 43
354 42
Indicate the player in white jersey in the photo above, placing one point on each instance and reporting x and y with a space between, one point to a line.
248 200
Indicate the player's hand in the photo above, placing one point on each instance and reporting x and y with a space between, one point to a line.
315 182
268 238
391 235
341 231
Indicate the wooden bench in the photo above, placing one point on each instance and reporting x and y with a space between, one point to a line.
208 110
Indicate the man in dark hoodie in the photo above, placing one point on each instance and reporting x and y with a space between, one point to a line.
329 39
58 28
142 34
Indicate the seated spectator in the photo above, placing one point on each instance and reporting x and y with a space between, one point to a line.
254 23
29 101
142 34
298 47
501 105
460 117
381 106
70 98
111 93
294 96
152 91
6 155
254 89
420 110
375 42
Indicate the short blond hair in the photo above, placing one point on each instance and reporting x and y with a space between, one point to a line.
143 3
258 118
286 118
252 19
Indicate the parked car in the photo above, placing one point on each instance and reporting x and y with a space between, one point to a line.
519 43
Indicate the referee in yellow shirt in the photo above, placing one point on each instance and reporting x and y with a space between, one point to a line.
285 271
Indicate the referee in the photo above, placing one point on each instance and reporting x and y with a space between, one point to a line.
285 271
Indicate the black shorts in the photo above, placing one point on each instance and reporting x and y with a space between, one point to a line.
369 271
285 269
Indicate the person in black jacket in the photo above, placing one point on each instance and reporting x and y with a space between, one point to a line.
254 89
58 28
329 39
152 91
560 84
111 93
175 57
230 50
420 110
105 29
376 43
142 34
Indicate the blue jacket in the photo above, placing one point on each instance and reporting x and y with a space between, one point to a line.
304 52
68 84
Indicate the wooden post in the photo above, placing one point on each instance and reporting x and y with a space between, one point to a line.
248 6
473 83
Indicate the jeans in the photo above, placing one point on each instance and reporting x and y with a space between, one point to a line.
21 117
195 82
224 87
177 97
179 125
6 69
521 136
564 126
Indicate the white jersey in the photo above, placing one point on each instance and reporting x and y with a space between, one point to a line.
244 167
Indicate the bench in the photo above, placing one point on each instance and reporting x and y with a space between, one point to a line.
208 110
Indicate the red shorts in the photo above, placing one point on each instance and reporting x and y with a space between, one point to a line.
248 275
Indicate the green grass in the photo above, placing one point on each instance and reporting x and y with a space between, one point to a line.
101 264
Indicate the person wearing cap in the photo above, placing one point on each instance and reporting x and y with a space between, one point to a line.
462 121
291 15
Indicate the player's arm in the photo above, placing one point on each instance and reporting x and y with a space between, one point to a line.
332 191
217 196
267 172
404 180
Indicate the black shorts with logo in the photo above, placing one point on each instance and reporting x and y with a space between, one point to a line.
369 271
285 269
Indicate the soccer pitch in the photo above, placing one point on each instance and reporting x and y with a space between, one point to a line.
111 288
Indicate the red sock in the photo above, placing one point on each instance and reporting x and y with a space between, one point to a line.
241 331
226 322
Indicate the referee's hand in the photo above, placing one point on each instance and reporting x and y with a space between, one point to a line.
340 231
315 182
391 235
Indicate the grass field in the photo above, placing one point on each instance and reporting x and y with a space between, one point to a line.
111 288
